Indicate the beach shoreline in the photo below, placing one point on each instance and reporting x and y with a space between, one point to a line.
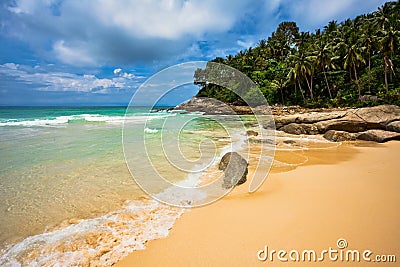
348 192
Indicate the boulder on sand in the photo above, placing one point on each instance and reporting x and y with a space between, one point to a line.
394 126
339 136
235 169
296 128
380 136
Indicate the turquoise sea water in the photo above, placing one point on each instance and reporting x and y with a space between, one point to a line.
67 196
63 177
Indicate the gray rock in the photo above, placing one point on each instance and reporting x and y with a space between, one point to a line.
296 128
362 119
364 98
382 114
205 105
293 128
380 136
394 126
311 128
308 117
339 136
289 142
346 125
252 133
353 120
235 169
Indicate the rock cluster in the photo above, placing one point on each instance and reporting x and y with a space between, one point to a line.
379 124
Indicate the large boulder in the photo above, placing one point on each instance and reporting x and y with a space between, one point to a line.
394 126
352 120
293 128
362 119
235 169
382 114
380 136
345 124
339 136
252 133
296 128
308 117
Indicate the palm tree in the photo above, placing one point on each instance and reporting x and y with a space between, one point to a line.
389 39
332 27
367 40
353 59
294 78
381 19
303 67
323 59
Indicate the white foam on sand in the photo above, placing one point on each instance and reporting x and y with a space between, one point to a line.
100 241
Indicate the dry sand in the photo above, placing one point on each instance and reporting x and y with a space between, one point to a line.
350 192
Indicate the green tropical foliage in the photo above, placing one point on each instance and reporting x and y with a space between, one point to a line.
352 63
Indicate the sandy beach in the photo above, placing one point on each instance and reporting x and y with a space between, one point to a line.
349 192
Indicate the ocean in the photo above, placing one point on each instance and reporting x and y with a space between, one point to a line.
68 176
67 195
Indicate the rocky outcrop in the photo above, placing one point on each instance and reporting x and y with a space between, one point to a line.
235 169
296 128
394 126
212 106
378 124
252 133
339 136
308 117
207 106
380 136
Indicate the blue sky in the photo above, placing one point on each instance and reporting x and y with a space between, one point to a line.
97 52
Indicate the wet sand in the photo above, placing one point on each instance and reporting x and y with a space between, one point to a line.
349 192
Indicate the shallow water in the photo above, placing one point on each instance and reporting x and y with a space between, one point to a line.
63 173
68 197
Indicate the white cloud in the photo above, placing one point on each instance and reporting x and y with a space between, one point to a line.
73 55
168 19
125 75
128 75
11 66
100 32
61 81
117 71
105 32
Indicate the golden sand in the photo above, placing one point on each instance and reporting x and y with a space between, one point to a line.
350 192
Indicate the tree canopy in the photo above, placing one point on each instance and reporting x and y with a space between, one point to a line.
352 63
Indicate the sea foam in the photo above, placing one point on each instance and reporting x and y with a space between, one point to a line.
100 241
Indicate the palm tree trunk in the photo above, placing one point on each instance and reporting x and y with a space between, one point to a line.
301 91
351 77
369 72
358 85
309 88
386 78
327 84
283 100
